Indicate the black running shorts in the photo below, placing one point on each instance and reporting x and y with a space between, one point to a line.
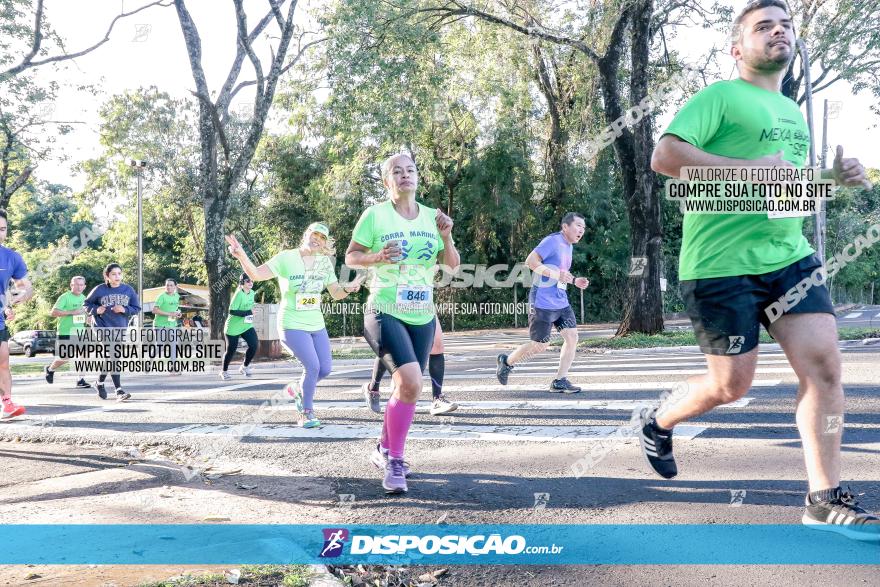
542 321
397 343
727 311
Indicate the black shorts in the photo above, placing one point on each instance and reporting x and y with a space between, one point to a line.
541 322
4 335
397 343
727 311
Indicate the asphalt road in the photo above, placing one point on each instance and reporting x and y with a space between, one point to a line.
505 456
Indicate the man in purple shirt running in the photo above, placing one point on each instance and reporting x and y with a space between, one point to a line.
548 300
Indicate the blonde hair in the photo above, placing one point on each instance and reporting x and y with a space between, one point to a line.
329 248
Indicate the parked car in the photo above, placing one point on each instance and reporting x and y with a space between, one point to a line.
31 342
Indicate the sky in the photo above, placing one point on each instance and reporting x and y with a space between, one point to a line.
148 49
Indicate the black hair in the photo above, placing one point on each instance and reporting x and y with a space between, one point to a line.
244 277
569 217
110 267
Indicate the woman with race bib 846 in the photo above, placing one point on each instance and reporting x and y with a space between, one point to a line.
400 240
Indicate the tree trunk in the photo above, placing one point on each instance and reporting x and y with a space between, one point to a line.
219 276
557 168
450 198
215 204
643 310
556 160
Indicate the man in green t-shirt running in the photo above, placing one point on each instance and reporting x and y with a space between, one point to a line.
72 317
734 266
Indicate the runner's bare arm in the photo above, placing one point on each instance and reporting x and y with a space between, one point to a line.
672 153
847 171
261 273
24 291
536 264
339 292
449 256
357 255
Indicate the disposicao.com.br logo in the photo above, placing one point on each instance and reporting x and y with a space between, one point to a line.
474 545
334 541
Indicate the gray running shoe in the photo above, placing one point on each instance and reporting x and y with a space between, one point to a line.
372 398
563 385
503 369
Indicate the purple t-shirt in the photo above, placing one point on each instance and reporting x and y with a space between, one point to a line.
11 267
547 293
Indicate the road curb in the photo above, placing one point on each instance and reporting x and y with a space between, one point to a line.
322 577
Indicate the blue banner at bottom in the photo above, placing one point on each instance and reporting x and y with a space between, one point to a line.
431 544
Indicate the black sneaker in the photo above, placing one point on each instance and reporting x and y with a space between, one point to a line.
656 445
503 369
102 391
121 396
50 375
81 384
563 385
841 514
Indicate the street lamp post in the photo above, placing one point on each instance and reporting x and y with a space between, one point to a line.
139 166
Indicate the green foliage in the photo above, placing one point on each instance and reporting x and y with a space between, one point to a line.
463 97
42 217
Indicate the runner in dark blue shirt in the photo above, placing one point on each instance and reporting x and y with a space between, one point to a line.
12 267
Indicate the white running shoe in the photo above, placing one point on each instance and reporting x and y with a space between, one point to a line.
441 405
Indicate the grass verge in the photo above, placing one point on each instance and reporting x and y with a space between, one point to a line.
28 369
251 576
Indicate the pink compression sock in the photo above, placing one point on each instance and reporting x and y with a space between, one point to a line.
383 440
398 417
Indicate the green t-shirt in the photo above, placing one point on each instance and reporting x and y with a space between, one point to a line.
235 325
740 120
167 303
67 302
404 289
301 289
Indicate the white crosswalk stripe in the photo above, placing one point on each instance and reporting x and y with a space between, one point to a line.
594 373
628 386
421 407
532 367
681 358
427 432
649 373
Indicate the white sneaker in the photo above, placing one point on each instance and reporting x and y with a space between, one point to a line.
225 376
246 371
441 405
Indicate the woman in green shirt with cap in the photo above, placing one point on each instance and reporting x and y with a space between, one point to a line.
303 274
